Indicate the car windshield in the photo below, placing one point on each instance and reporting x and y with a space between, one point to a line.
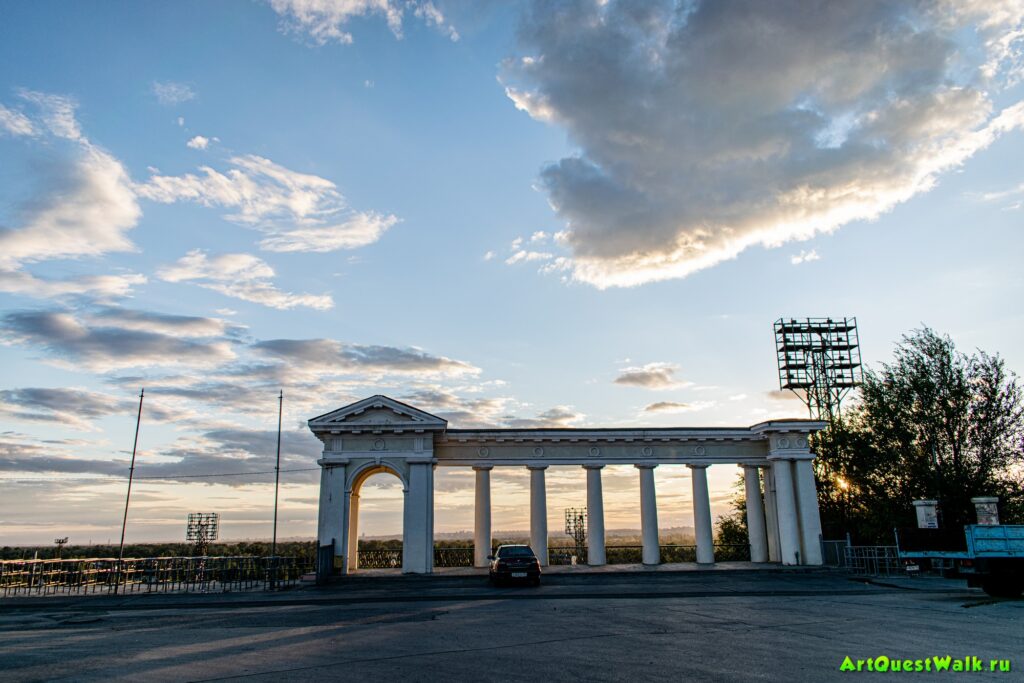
515 551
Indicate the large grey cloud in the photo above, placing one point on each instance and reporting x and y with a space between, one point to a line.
243 456
707 127
333 356
67 338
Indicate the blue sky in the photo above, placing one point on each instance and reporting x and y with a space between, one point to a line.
491 210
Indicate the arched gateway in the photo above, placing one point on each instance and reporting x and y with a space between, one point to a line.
380 434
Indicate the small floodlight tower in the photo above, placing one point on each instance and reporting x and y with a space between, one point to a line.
203 527
819 361
576 528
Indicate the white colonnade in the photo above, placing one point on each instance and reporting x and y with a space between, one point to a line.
380 434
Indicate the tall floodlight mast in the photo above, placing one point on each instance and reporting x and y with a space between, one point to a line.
819 361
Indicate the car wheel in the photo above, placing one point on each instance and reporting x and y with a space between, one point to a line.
535 582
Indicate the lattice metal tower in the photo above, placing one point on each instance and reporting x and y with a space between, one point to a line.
203 527
819 360
576 528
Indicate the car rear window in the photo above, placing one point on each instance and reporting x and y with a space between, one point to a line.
515 551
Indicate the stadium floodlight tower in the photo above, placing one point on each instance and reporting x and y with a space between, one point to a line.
819 361
203 527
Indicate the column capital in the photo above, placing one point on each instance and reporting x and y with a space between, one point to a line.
699 466
332 462
483 468
537 467
590 466
645 465
751 465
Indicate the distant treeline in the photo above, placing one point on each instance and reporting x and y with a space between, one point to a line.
305 551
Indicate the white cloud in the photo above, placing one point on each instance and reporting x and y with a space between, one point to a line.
198 142
88 204
489 255
15 123
358 230
170 93
299 211
525 256
804 257
242 276
102 287
705 129
326 21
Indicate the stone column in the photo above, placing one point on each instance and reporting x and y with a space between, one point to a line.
785 504
755 515
595 516
331 522
353 531
770 514
649 515
538 513
482 518
807 511
702 515
418 519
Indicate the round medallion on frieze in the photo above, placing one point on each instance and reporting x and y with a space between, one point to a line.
379 445
699 450
647 451
483 451
801 443
783 442
594 451
538 451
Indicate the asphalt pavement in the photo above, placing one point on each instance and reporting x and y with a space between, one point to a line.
716 626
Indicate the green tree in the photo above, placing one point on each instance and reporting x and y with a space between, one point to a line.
731 529
935 423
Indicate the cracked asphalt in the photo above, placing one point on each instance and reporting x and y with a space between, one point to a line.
716 626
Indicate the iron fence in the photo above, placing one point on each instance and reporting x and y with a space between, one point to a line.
385 558
833 553
872 560
391 558
83 576
453 557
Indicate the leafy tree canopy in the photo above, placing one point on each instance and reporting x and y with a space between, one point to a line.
936 423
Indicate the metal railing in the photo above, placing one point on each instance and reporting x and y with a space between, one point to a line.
873 560
453 557
106 575
382 558
391 558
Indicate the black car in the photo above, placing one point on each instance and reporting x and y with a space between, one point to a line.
514 563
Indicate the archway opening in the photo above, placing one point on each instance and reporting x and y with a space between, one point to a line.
377 508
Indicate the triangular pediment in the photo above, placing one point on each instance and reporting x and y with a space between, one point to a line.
375 413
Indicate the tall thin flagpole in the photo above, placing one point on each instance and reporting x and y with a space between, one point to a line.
128 496
277 471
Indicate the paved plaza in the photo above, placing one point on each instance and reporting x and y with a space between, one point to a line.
766 625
